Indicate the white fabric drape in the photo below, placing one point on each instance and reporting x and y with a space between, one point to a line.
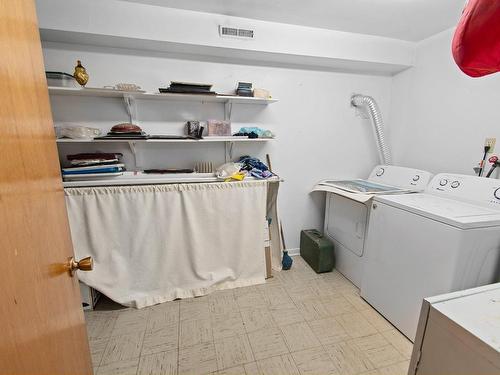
156 243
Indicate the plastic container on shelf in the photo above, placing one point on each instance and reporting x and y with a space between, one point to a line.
74 131
60 79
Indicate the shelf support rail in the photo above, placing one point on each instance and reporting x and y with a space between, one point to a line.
133 149
228 109
228 151
131 108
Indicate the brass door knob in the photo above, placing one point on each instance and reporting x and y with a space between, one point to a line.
85 264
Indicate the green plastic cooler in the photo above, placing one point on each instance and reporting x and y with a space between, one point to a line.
316 250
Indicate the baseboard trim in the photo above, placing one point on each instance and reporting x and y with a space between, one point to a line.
293 252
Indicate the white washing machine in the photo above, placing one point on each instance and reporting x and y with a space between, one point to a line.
347 211
420 245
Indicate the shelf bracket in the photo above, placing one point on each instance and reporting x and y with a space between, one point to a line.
228 151
228 109
131 108
133 149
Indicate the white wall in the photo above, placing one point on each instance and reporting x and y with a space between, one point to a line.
440 116
318 134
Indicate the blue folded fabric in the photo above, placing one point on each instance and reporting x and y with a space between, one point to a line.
257 173
91 171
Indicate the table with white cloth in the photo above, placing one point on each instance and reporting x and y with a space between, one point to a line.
156 243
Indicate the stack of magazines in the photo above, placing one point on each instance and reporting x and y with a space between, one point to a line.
188 88
93 165
244 89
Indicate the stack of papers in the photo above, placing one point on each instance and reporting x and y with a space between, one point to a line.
93 165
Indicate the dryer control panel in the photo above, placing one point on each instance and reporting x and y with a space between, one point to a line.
478 190
402 177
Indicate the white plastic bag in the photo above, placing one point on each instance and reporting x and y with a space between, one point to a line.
76 132
227 170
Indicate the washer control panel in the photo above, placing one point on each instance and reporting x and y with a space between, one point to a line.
478 190
496 193
401 177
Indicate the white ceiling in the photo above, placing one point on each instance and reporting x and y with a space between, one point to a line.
411 20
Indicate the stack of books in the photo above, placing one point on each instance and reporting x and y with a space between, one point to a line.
244 89
93 165
188 88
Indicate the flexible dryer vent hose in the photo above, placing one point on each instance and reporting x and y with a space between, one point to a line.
371 104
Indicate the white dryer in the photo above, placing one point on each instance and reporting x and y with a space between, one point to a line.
420 245
347 211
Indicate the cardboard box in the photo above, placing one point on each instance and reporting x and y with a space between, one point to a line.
267 250
269 268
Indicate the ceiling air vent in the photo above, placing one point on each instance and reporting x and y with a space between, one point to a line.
233 32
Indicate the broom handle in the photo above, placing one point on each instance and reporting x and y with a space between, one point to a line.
268 159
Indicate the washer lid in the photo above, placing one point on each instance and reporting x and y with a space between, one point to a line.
449 211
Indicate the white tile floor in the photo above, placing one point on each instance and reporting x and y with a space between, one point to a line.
299 322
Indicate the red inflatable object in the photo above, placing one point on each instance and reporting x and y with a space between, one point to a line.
476 43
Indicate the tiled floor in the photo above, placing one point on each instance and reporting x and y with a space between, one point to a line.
299 322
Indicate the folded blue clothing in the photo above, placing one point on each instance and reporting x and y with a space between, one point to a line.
252 129
91 171
250 163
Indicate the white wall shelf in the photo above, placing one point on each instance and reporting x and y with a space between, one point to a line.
139 178
132 143
111 93
129 98
204 140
